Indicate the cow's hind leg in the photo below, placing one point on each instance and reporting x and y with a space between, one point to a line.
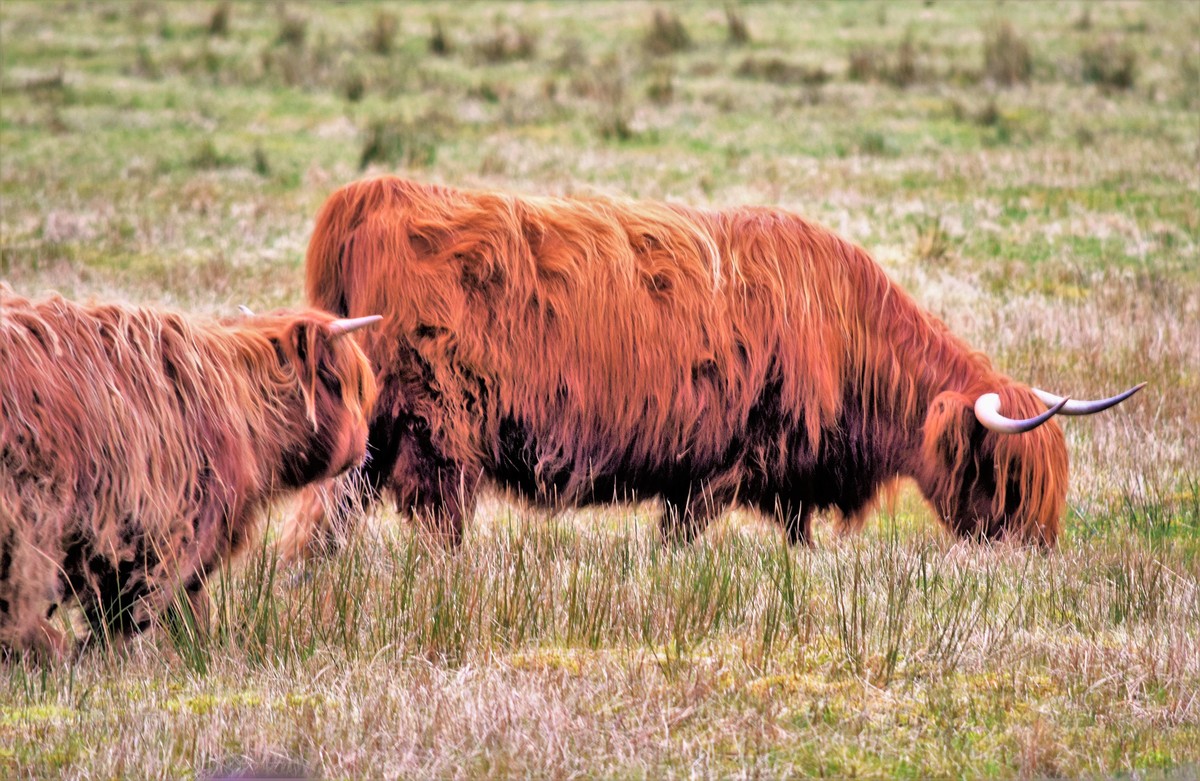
685 516
798 525
794 516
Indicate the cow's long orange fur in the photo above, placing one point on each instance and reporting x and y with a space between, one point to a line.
138 449
589 349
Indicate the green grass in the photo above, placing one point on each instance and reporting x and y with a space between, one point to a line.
581 644
1054 222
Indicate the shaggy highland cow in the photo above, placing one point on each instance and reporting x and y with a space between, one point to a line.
139 448
583 350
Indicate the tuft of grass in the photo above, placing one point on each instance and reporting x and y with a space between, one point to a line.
409 142
1084 22
491 91
208 157
572 56
506 43
667 34
661 89
440 43
933 245
166 30
45 86
865 63
874 63
903 70
354 85
737 31
614 122
875 143
145 64
1189 78
381 37
990 115
293 30
608 87
218 20
1006 57
1000 127
262 164
780 71
1109 64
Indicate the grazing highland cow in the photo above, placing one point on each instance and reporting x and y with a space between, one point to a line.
582 350
139 448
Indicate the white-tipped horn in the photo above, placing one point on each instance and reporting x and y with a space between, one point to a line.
1087 407
351 324
987 410
245 310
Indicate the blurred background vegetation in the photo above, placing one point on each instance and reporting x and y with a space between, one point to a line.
179 150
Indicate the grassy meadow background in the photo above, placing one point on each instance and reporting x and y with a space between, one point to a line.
1029 171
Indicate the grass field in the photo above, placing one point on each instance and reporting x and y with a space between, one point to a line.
1029 171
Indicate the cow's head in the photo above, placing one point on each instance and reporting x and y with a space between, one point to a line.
333 388
988 475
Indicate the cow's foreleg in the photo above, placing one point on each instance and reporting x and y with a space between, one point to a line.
327 515
798 525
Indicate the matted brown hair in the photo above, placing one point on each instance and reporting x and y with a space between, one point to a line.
586 349
139 447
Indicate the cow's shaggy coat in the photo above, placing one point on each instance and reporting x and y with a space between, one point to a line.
588 349
139 448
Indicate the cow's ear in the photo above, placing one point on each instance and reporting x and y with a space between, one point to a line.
301 345
303 337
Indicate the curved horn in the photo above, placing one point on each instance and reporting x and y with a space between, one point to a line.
1086 407
987 410
348 325
245 310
